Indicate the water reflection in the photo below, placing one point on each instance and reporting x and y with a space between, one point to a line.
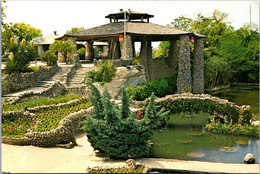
182 143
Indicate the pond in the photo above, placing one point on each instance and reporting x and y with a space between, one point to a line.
245 95
185 138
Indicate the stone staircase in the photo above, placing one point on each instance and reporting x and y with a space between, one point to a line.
79 75
42 85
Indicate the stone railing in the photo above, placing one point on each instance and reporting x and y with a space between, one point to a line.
19 81
68 75
62 136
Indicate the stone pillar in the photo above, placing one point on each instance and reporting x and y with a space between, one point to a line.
114 49
129 48
61 57
198 66
184 71
89 51
173 56
133 48
71 55
149 60
143 56
40 50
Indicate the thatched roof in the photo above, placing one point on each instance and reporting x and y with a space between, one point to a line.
136 28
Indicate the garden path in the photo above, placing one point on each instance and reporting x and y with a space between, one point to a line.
31 159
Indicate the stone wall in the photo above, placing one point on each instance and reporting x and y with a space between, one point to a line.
16 82
159 69
125 76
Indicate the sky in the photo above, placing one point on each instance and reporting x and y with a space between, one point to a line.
61 15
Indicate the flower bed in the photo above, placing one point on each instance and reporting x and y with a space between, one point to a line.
39 102
48 126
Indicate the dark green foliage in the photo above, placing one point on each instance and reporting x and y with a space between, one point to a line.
116 131
234 129
105 73
197 105
160 88
49 57
82 52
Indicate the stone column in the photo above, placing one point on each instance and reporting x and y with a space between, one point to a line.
71 55
40 50
89 51
133 48
173 56
143 56
149 60
115 49
61 57
129 48
198 66
184 72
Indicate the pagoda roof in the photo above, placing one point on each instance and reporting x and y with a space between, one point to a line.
136 28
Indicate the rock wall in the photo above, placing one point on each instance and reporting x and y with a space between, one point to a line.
125 76
16 82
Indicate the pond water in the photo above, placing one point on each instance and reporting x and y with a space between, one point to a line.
185 138
245 95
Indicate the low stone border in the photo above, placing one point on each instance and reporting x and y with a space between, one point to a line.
15 82
54 90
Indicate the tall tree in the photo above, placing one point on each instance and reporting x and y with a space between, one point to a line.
74 29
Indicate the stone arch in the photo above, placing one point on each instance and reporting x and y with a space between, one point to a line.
188 102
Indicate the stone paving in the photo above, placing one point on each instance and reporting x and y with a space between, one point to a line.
79 74
30 159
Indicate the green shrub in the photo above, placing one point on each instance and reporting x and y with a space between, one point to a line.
234 129
117 132
82 52
105 73
161 88
49 57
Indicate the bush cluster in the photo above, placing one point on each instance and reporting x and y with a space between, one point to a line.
161 88
116 131
82 52
234 129
197 105
105 73
49 57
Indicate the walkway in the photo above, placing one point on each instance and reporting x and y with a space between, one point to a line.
30 159
80 73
